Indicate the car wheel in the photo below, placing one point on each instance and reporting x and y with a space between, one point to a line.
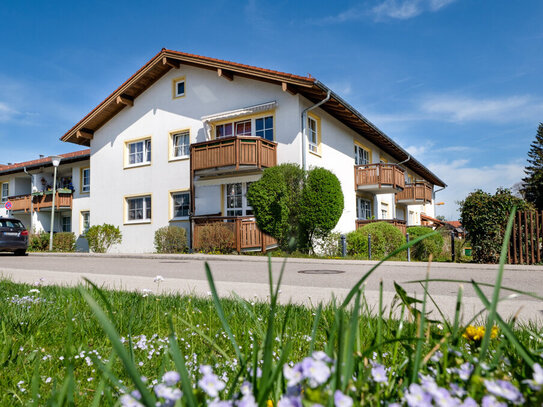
20 252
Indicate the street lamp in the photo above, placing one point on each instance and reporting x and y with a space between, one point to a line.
55 159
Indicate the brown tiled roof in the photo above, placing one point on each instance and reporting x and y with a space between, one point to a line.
44 161
454 223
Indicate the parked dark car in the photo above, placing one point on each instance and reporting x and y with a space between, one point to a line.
13 236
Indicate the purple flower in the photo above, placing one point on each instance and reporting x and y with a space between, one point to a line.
247 401
129 401
320 355
294 375
537 381
290 402
379 374
316 371
443 398
167 393
491 401
341 400
211 384
219 403
417 397
469 402
464 372
505 389
171 378
457 391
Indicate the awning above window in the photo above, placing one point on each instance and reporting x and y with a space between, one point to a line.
232 114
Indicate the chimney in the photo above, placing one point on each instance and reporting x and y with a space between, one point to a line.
41 155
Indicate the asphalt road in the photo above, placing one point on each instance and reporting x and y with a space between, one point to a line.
305 281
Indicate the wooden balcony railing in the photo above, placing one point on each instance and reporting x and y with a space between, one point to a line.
246 235
385 178
418 192
400 224
42 201
233 152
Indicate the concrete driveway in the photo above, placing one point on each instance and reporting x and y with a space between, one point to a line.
306 281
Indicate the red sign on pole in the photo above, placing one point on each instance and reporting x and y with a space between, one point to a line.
7 205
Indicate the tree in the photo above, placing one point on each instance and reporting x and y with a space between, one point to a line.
484 216
321 206
533 182
295 207
274 198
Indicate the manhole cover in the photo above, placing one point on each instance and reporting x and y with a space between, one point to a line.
321 271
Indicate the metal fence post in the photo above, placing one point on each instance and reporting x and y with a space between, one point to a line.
369 246
409 248
453 251
343 246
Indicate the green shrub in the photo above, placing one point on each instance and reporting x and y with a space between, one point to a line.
431 245
385 238
216 237
484 216
38 242
321 206
63 242
102 237
171 239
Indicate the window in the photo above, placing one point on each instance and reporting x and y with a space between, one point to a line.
313 134
243 128
4 192
139 209
139 152
178 87
85 180
11 223
363 208
66 223
181 144
85 222
224 130
181 204
259 127
236 199
384 210
361 156
264 127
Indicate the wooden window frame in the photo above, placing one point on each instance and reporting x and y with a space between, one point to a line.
175 81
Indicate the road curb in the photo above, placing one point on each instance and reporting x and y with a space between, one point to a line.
278 260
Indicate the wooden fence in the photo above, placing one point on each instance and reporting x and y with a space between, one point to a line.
526 245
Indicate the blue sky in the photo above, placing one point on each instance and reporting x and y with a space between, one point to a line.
457 82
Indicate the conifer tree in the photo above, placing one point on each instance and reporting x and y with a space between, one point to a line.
533 182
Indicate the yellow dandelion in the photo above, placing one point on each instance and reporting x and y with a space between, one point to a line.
476 333
269 403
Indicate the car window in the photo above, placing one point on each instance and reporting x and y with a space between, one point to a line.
11 224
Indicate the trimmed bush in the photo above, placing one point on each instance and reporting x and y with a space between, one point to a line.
329 246
171 239
431 245
216 237
385 238
321 206
102 237
38 242
63 242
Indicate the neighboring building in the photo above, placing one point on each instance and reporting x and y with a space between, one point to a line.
181 140
28 186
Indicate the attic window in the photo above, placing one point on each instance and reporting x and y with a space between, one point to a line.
179 87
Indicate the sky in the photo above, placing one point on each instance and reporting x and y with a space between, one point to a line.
458 83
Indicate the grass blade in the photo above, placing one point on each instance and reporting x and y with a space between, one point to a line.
315 327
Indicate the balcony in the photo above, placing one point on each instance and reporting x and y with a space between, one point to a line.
246 235
417 193
398 223
232 154
41 201
379 178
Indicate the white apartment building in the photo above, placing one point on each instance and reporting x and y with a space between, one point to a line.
181 140
28 186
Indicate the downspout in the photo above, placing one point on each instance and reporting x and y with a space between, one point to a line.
304 121
31 198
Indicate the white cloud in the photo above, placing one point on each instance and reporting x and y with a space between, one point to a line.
6 112
462 108
462 178
385 10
